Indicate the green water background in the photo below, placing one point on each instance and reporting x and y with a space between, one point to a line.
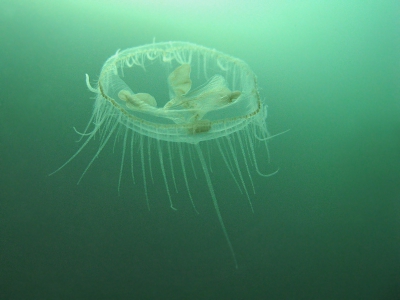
327 226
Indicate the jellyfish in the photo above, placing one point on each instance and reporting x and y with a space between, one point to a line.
178 99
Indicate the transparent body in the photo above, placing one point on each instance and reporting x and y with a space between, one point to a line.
179 100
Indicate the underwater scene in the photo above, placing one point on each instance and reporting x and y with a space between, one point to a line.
199 150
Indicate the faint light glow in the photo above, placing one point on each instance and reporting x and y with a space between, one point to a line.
206 9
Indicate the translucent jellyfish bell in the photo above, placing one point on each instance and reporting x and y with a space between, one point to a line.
185 101
203 87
